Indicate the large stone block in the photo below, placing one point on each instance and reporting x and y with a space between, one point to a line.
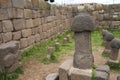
23 43
17 35
31 40
7 26
1 27
18 3
101 75
3 14
27 13
37 38
18 13
19 24
26 32
80 74
29 23
36 22
35 4
0 38
64 70
35 30
7 36
103 68
5 3
27 4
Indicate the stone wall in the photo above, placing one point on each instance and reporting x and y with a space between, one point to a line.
31 21
105 15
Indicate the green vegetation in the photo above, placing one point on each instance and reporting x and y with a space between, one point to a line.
114 66
11 75
93 73
106 55
40 51
96 40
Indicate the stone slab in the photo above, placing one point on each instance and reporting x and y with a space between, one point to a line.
80 74
64 70
52 76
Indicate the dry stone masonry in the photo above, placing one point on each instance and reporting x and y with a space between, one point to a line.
31 22
9 56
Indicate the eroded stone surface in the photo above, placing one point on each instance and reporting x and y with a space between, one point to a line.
82 22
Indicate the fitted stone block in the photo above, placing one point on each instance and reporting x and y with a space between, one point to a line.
31 40
19 24
5 3
36 22
103 68
27 13
17 35
80 74
26 32
7 36
7 26
27 4
101 75
29 23
37 38
0 38
1 27
64 70
18 13
23 43
3 14
18 3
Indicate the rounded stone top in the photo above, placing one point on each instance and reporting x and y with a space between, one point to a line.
115 43
109 36
104 32
82 22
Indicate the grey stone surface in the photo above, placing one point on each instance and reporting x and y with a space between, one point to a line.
18 13
82 22
3 14
27 13
65 41
80 74
19 24
31 40
104 32
104 68
9 55
118 77
64 70
50 52
83 57
115 43
18 3
17 35
27 4
52 76
7 26
7 36
23 43
1 27
5 3
101 75
29 23
26 33
109 36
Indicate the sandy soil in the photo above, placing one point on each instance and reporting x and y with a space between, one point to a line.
35 70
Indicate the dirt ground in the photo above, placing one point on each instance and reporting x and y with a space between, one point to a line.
35 70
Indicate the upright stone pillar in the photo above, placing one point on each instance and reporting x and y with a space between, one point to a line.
108 38
82 26
115 46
